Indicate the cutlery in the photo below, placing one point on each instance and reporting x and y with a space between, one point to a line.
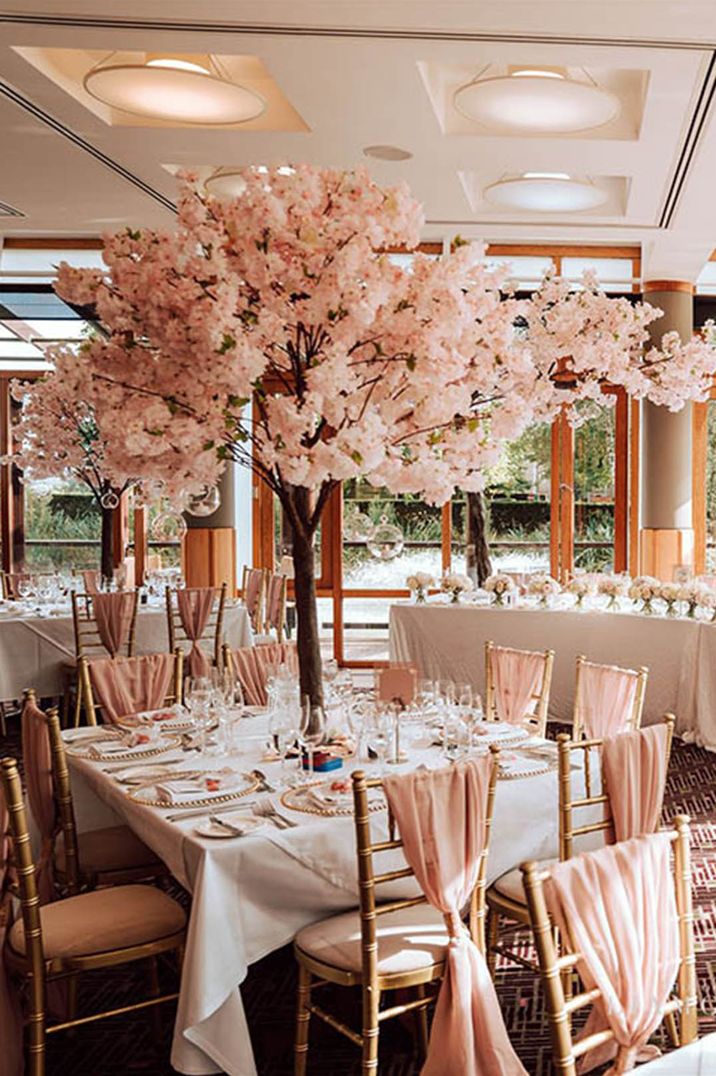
266 809
202 812
265 786
235 831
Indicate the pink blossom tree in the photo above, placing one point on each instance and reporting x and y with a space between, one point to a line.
59 434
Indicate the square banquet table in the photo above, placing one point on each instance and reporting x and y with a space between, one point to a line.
251 894
34 649
448 641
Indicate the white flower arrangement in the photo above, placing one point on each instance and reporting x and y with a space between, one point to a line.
645 589
693 594
580 586
456 584
612 586
707 600
670 593
419 583
543 586
498 585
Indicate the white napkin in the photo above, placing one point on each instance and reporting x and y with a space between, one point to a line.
114 747
180 790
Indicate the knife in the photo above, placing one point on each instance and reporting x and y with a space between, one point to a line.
179 816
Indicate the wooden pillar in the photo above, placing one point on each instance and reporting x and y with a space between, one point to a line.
209 548
6 491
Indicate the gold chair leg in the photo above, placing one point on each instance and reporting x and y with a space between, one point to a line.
35 1040
303 1016
672 1029
371 1006
78 706
493 937
422 1018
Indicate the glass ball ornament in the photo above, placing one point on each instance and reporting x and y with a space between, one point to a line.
357 526
168 527
386 541
204 502
110 499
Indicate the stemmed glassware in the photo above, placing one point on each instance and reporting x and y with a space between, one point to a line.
198 700
283 729
312 730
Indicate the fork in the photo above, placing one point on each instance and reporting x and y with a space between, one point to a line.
266 809
265 786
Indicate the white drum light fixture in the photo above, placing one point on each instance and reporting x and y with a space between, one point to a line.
179 89
535 101
225 183
545 192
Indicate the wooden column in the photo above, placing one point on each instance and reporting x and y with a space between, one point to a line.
6 498
209 548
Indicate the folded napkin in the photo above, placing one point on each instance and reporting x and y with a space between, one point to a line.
138 741
328 796
77 737
206 784
149 717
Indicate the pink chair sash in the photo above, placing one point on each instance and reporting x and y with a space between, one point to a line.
252 663
273 600
634 766
617 907
517 676
195 607
606 699
113 613
91 582
254 577
124 686
37 758
11 1059
441 817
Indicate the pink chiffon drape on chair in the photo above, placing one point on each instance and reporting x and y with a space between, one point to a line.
252 664
273 600
517 677
617 907
441 817
123 686
195 607
37 758
91 581
113 613
254 578
634 766
606 699
11 1059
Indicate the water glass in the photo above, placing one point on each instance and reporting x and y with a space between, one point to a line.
284 732
312 731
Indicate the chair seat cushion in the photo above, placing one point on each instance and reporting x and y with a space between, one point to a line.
408 939
103 920
510 885
113 848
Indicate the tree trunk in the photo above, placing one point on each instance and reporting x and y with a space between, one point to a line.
107 562
309 648
479 565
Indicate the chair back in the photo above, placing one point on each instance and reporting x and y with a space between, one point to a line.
253 585
251 665
517 684
192 620
129 685
583 757
607 699
65 806
105 623
276 589
371 904
566 1051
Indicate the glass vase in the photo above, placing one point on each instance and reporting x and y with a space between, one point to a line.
646 607
420 596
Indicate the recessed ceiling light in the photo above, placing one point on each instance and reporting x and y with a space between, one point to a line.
537 102
177 89
557 193
545 175
225 183
536 72
388 153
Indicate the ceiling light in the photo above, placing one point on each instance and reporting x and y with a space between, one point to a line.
544 193
533 72
537 102
225 183
387 153
174 88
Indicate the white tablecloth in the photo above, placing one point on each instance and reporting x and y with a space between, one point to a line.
34 649
251 895
448 641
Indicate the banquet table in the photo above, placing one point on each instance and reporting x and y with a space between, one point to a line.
34 649
250 895
447 641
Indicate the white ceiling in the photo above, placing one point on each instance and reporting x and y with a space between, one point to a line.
352 71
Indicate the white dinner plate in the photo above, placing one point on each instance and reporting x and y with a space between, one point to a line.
246 822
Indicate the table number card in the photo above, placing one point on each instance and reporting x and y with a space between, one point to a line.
397 683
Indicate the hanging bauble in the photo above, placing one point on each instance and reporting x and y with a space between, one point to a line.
168 527
109 500
386 540
204 502
357 526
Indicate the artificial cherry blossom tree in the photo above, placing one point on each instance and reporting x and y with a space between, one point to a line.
59 434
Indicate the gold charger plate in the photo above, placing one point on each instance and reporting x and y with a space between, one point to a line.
129 755
294 799
525 767
201 801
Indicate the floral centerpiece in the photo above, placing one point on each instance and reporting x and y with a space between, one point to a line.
670 593
454 584
707 601
692 594
543 586
580 586
645 589
418 585
612 587
498 584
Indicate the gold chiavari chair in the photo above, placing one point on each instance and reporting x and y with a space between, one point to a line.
553 967
535 720
639 676
275 594
213 630
102 929
385 945
112 855
87 694
506 897
253 591
88 644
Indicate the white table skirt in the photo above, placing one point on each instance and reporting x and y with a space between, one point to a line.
252 895
448 641
34 649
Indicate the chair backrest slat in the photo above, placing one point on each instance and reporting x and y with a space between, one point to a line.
88 641
65 805
213 630
253 591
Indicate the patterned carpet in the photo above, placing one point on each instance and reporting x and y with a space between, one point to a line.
140 1043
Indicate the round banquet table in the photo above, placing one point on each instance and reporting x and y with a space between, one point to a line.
447 641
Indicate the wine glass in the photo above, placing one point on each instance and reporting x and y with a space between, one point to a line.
312 729
283 732
380 734
197 696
